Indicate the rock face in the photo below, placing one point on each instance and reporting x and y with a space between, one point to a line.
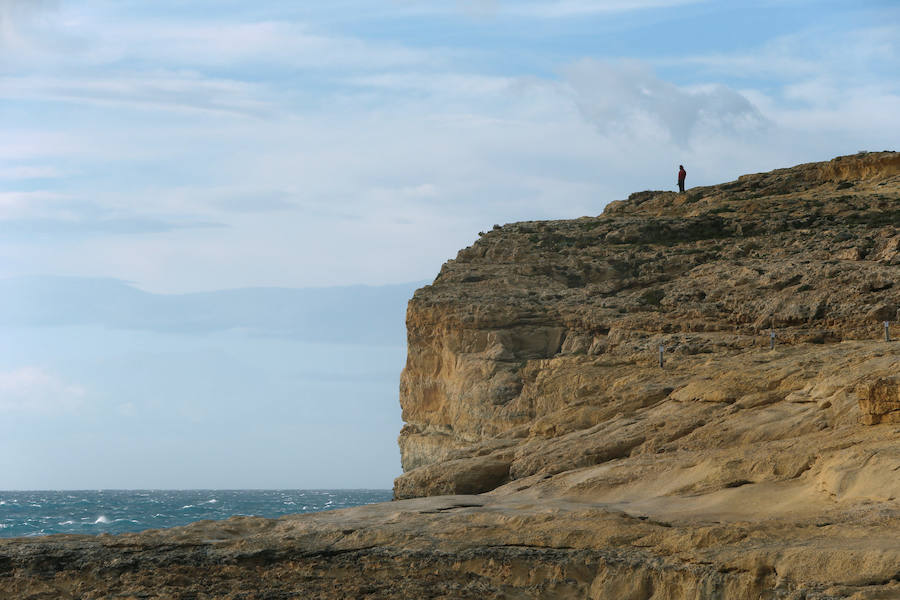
537 348
546 452
879 401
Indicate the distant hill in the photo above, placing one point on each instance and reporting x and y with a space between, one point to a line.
352 314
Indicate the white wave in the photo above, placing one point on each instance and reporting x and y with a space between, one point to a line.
101 519
188 506
67 523
213 501
4 525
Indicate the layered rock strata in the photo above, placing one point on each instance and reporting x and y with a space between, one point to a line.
536 350
548 454
879 401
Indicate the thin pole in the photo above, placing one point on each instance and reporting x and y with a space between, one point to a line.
661 350
772 340
887 331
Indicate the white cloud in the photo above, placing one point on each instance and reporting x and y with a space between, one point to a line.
852 56
27 141
577 8
441 83
16 205
14 14
835 87
34 390
127 409
30 172
628 98
543 9
268 43
82 40
153 91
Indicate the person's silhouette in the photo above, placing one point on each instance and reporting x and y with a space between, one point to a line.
681 175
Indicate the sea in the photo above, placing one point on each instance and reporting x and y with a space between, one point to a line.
36 513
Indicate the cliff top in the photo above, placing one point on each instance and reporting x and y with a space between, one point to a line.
809 250
823 186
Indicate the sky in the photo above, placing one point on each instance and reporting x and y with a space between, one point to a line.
171 170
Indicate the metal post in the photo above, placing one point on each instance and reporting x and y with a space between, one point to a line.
771 340
887 331
661 350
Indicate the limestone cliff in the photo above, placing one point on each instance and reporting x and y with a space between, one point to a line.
580 467
536 351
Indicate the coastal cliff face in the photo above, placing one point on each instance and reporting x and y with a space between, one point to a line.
536 351
548 454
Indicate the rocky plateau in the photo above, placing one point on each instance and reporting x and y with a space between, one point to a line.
690 396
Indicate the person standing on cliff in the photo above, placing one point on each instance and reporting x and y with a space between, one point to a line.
681 175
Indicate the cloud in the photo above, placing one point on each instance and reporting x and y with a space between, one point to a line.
27 141
628 98
15 13
253 202
30 172
183 92
266 43
579 8
34 390
20 204
853 56
24 214
82 40
543 9
438 84
354 314
29 229
832 86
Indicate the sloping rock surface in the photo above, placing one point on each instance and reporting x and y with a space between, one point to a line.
548 454
538 346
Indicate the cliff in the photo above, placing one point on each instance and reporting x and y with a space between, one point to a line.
548 454
536 351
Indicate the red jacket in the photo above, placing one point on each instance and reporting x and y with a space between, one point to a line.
681 175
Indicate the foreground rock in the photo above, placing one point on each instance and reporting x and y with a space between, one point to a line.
563 462
476 547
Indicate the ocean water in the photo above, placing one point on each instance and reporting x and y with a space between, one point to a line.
121 511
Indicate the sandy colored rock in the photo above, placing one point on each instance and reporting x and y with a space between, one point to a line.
879 401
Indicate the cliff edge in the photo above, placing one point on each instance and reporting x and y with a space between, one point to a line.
597 408
536 351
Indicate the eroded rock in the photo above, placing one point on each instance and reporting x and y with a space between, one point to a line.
879 401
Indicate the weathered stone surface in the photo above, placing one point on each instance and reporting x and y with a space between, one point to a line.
473 475
525 335
879 401
735 471
474 547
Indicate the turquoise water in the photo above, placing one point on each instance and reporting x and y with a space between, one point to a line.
121 511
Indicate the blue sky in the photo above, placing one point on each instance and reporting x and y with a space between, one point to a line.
201 146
